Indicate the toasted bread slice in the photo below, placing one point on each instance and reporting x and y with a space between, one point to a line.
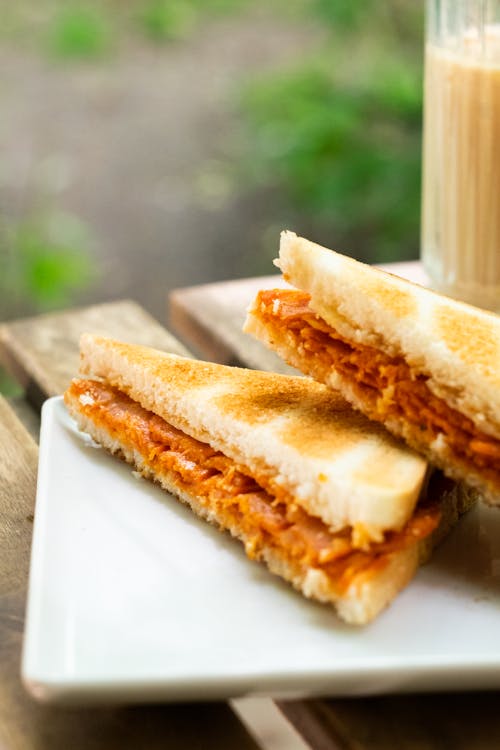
322 564
447 352
296 435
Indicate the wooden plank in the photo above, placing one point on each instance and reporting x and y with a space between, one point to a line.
210 316
268 724
18 462
25 725
42 352
29 417
462 721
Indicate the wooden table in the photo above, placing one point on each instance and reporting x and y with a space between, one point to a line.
42 354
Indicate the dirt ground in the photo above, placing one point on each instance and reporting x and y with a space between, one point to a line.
133 146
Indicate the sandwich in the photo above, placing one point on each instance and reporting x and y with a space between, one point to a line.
425 366
328 500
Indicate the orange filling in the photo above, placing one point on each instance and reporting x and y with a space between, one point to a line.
376 374
239 500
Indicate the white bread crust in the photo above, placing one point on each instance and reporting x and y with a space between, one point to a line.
456 345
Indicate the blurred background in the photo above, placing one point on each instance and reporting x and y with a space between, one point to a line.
151 144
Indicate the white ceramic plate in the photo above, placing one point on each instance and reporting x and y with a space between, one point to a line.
131 597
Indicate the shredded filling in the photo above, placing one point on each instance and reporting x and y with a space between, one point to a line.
387 383
240 502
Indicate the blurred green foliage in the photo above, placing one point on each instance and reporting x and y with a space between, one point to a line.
79 31
92 29
8 386
164 20
44 262
168 20
86 29
339 133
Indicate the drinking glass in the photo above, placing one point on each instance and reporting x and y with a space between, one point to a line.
460 242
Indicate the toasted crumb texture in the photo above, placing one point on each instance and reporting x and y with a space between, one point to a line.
369 591
292 431
456 345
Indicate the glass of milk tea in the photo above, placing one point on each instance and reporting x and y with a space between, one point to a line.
461 151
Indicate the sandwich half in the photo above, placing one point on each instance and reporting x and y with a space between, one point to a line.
329 501
425 366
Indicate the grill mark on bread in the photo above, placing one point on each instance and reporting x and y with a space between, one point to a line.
397 301
319 424
184 377
471 340
278 399
181 372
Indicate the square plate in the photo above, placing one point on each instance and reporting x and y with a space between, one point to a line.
133 598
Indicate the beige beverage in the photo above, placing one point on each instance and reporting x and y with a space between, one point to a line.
461 181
